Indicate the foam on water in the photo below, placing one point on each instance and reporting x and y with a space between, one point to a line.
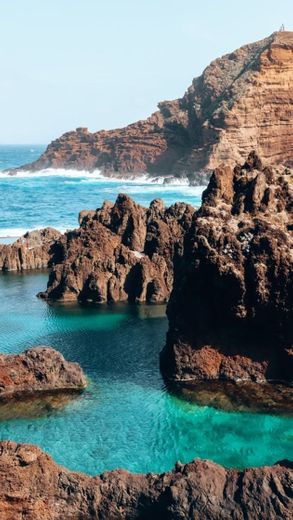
33 200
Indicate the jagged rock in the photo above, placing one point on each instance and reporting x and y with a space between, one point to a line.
230 313
38 371
121 252
241 101
32 486
34 250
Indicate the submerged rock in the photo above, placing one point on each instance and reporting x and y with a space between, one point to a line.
230 313
121 252
34 250
37 371
231 396
32 486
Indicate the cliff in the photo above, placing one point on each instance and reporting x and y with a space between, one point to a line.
230 312
32 486
242 101
121 252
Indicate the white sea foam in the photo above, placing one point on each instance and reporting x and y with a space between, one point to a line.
97 176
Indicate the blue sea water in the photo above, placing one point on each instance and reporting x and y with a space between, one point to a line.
126 418
50 198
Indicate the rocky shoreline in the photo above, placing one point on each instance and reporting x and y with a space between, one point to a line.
230 321
33 486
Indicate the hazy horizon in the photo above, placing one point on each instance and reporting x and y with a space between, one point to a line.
105 64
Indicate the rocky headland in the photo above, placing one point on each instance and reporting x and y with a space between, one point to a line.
34 250
33 486
242 101
120 252
38 371
230 312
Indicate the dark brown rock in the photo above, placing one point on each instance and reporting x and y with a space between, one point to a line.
217 120
36 371
121 252
32 486
34 250
230 313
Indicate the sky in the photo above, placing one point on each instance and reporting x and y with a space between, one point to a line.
106 63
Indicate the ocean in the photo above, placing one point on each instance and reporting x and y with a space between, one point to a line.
55 197
126 418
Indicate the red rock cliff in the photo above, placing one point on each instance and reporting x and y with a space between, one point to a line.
230 311
242 101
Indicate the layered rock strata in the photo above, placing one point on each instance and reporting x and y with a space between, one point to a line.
243 100
121 252
230 313
32 486
34 250
36 371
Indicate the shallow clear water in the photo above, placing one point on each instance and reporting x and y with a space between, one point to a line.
125 418
35 200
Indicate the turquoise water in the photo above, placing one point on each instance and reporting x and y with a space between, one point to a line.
125 418
30 201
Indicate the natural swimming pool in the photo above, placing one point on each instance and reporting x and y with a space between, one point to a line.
126 418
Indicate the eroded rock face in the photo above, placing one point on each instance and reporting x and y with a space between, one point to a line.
35 250
230 313
241 101
32 486
121 252
36 371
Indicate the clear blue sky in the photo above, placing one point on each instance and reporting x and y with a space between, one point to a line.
106 63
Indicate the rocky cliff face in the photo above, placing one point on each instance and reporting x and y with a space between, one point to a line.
121 252
230 313
35 250
34 487
36 371
242 101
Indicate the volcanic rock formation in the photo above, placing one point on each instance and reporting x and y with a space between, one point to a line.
38 371
34 250
230 312
32 486
242 101
121 252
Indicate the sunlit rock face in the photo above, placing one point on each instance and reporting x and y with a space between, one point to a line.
242 101
32 486
121 252
230 312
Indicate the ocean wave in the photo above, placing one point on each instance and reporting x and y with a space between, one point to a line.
96 176
51 172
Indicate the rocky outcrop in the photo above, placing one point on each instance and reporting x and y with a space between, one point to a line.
38 371
32 486
241 101
34 250
230 313
121 252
